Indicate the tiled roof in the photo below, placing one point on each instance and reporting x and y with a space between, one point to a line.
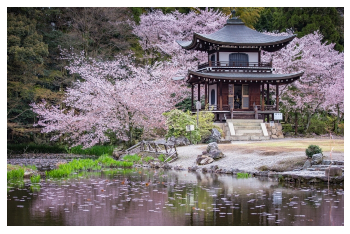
236 33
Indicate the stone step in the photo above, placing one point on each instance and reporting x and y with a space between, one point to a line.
248 138
245 120
247 127
246 124
248 131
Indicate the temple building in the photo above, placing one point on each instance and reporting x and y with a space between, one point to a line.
234 76
236 82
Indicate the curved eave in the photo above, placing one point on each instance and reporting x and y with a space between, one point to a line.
197 77
267 46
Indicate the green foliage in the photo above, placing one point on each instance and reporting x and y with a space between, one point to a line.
96 150
17 173
241 175
161 157
106 160
132 158
312 149
304 20
35 179
74 166
317 126
177 120
148 159
206 120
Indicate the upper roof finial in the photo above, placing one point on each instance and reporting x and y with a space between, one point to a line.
233 13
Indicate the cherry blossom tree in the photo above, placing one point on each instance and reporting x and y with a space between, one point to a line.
112 96
322 85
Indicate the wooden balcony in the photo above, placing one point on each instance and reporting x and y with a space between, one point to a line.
235 64
225 108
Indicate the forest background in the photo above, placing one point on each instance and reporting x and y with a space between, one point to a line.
36 37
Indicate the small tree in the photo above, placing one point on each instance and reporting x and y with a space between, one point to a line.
176 122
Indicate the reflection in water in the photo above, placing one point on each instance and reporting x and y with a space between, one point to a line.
141 197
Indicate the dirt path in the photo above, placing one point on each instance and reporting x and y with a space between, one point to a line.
280 155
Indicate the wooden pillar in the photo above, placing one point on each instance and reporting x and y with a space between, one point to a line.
192 95
199 91
259 58
268 94
220 95
217 58
206 93
277 98
262 97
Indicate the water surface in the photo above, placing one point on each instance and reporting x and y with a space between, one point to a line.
142 197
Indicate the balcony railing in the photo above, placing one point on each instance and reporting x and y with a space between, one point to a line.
234 64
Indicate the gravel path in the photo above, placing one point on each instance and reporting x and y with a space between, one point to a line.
239 158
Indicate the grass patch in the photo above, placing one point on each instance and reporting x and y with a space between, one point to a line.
242 175
35 179
15 174
64 170
74 166
97 150
132 158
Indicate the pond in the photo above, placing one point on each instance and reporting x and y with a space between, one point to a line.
144 197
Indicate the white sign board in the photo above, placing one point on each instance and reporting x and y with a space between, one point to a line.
189 128
198 105
278 116
272 123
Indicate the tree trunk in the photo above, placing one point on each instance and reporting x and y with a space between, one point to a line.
296 123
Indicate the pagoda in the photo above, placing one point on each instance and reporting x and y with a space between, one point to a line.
236 81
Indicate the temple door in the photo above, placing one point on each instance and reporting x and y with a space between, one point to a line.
245 96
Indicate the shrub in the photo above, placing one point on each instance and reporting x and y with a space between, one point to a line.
177 120
317 126
106 160
312 149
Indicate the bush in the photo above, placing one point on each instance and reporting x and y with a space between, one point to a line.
317 126
312 149
177 120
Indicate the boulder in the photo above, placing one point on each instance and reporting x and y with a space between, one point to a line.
307 164
180 141
212 147
333 171
316 159
214 137
213 151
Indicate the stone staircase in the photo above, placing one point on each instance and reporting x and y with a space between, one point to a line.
245 130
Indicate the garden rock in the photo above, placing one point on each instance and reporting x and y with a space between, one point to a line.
213 151
214 137
203 160
316 159
333 171
307 164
